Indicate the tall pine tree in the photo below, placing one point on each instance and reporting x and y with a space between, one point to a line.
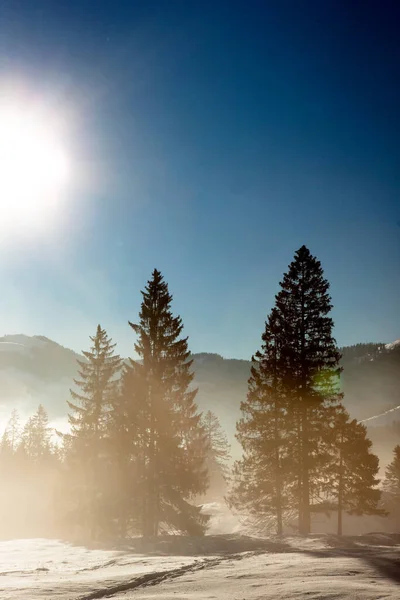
309 365
173 443
293 390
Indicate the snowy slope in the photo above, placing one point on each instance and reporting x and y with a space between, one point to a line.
214 567
34 370
392 345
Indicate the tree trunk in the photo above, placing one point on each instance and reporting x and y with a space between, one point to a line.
340 493
279 525
157 513
150 484
305 521
340 519
279 521
305 491
300 469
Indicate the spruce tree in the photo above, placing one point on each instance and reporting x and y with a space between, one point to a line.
98 384
354 468
263 477
309 366
89 419
35 440
173 440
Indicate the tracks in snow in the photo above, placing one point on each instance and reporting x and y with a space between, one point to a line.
158 577
387 562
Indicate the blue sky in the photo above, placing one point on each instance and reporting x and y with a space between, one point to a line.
210 140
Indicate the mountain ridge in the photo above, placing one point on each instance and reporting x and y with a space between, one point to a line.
37 369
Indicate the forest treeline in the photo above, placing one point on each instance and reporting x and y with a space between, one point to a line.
139 456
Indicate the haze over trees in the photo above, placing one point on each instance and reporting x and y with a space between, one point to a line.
392 486
29 470
169 443
353 468
218 454
140 458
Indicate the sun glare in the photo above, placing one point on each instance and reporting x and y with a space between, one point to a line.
33 167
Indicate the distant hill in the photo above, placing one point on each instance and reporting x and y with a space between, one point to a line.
34 370
37 370
371 378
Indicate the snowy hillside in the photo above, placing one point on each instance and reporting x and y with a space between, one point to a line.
392 345
21 342
34 370
220 567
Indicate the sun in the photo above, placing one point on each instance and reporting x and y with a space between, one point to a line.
33 166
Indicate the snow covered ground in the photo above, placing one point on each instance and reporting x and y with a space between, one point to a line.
215 567
50 569
315 573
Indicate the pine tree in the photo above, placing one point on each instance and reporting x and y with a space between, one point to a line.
308 365
354 468
89 419
173 441
392 484
263 478
35 440
218 451
98 383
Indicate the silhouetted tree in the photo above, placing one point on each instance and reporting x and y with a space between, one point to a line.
292 390
309 367
172 440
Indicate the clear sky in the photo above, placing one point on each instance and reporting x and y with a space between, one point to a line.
209 140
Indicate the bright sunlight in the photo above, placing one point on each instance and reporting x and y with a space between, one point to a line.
33 167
